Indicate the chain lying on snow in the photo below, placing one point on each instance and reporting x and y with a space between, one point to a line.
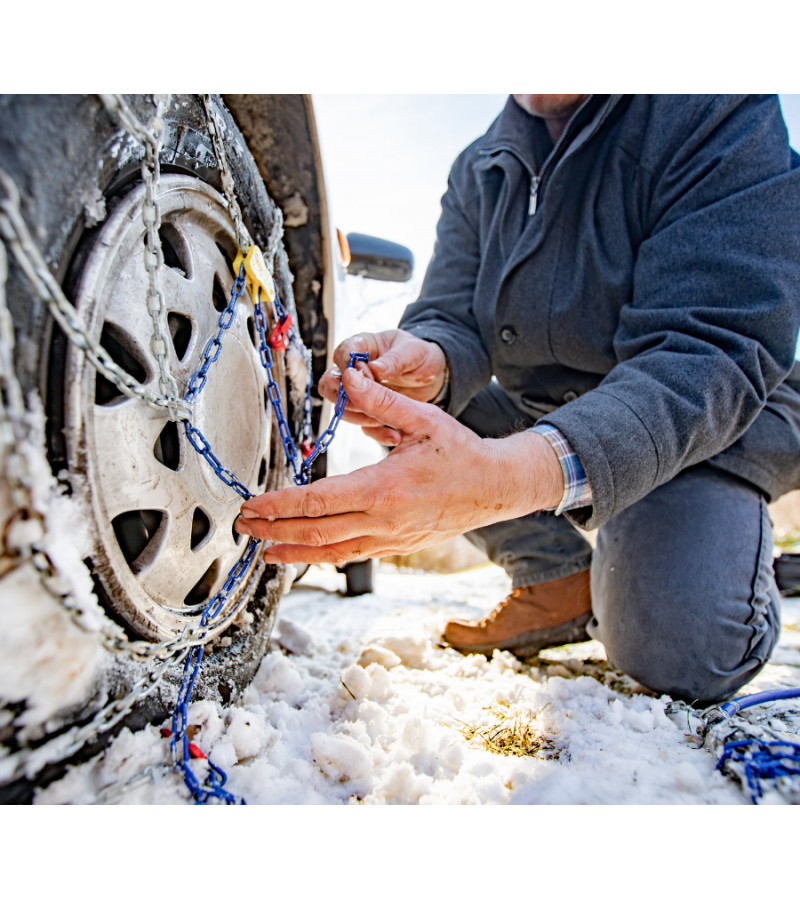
189 644
759 748
115 792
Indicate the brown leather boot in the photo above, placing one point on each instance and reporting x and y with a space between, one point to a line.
529 619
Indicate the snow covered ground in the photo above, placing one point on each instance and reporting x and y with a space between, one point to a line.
356 703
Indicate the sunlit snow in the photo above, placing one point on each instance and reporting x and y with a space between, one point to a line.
357 703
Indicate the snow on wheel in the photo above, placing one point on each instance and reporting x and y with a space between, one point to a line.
163 519
162 541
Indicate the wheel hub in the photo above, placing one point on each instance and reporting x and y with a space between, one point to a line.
163 519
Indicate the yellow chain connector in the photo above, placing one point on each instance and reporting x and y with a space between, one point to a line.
256 273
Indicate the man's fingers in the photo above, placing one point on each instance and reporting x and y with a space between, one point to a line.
373 344
331 381
329 389
401 362
330 496
357 418
329 384
383 435
336 554
384 404
314 532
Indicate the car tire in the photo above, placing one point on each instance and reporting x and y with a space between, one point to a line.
73 165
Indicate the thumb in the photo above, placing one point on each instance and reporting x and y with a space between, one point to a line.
384 404
399 361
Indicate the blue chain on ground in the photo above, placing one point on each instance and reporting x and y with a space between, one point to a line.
761 760
215 780
750 757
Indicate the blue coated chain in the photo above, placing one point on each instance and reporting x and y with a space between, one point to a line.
211 354
198 381
198 440
761 760
214 784
302 472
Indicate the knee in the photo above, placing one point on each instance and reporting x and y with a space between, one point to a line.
685 605
693 660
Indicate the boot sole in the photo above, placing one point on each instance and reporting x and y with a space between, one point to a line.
531 642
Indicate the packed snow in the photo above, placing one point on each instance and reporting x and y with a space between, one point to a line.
358 703
45 660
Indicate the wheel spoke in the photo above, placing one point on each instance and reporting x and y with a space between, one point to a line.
176 568
124 437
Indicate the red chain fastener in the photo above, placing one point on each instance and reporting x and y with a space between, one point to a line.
307 447
194 751
279 339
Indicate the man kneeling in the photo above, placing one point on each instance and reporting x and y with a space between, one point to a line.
603 338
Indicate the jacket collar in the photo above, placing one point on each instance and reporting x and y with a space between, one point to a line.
524 135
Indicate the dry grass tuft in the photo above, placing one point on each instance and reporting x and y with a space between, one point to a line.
512 734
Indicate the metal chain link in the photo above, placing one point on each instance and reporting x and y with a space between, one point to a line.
154 255
152 136
302 472
117 106
25 527
115 792
213 348
15 233
30 761
215 130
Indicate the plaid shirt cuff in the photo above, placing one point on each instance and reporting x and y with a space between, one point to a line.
577 490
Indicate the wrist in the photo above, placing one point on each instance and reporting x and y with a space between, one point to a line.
530 473
441 384
443 397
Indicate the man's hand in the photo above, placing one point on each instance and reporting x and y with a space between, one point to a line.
440 481
406 364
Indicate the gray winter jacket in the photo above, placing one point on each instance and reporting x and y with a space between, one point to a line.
649 307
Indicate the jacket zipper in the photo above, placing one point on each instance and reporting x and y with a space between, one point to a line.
534 195
536 180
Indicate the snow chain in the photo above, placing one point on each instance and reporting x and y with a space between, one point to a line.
23 535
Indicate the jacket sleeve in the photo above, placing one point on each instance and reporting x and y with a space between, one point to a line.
444 311
712 323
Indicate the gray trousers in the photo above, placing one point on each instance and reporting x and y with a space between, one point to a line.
683 593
